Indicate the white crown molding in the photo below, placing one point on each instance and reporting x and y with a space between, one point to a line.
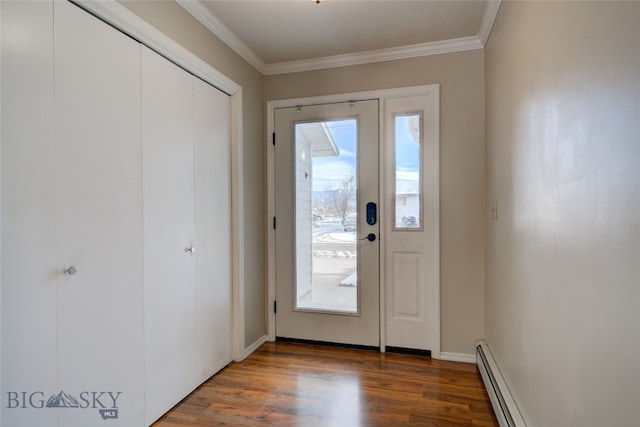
209 20
390 54
489 17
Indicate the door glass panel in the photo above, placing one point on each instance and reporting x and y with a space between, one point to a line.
326 217
408 172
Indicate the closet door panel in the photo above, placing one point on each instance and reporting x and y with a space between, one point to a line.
29 347
213 230
99 217
167 129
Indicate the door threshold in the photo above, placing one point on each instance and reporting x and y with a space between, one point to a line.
411 351
329 344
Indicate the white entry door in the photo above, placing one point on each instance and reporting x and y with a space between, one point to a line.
327 222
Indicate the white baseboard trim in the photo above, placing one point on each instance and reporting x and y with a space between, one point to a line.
458 357
253 347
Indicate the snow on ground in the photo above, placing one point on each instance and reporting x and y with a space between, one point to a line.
352 280
335 245
346 237
335 254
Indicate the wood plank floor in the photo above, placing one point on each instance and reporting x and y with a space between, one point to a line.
293 384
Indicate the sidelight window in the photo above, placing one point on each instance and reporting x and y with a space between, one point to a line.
408 171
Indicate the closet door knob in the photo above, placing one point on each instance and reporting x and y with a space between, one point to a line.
190 249
70 270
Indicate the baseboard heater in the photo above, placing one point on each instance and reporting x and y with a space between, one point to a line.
504 406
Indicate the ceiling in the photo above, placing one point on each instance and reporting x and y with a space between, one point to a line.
280 36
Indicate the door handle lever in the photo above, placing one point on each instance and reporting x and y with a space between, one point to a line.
370 237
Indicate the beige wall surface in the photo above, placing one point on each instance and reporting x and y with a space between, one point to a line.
563 165
461 80
175 22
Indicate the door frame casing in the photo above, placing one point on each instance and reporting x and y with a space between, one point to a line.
382 95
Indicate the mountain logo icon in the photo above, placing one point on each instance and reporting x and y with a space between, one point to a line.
62 400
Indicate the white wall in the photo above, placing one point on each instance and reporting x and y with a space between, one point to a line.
563 165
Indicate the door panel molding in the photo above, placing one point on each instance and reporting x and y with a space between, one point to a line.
407 268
